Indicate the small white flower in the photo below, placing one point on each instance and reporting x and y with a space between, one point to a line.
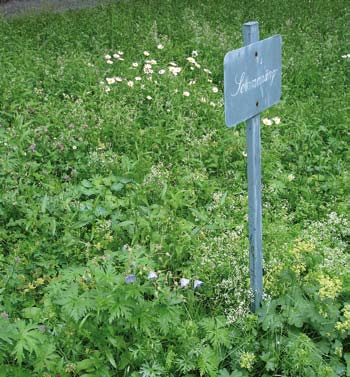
120 52
130 83
116 56
135 65
210 80
119 79
214 89
142 86
107 89
186 93
161 71
191 60
213 104
206 70
151 61
109 61
138 78
110 80
192 68
184 282
291 177
108 57
146 53
194 53
173 64
244 154
149 98
192 82
197 65
160 47
121 59
74 147
203 100
277 120
147 69
267 121
175 70
197 283
152 275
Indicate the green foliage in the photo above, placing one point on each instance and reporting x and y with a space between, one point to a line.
117 197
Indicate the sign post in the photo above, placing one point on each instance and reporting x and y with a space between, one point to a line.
252 83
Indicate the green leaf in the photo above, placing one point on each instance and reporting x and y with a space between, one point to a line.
347 359
86 364
111 359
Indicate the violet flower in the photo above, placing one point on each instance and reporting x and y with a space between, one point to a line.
130 279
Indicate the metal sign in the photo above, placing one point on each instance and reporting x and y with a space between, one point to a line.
252 79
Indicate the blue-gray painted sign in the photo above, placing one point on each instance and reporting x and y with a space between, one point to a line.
252 79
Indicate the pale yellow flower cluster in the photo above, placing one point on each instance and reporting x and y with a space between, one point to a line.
344 326
247 360
298 252
329 287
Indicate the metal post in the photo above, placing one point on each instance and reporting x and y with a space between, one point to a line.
251 35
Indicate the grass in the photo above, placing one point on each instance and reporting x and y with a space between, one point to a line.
86 171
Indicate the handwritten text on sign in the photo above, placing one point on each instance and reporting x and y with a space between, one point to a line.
252 79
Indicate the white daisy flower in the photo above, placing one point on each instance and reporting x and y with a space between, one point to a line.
277 120
267 121
110 80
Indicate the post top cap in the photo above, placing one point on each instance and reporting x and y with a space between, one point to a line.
250 23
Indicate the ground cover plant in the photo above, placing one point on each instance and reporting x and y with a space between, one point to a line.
123 200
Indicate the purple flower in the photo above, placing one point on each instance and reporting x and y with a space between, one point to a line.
42 328
16 259
74 172
130 279
32 147
184 282
197 283
152 275
66 178
60 146
4 315
71 126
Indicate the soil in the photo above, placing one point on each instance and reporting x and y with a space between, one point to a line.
11 8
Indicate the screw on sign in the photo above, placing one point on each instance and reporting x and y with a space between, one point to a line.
252 83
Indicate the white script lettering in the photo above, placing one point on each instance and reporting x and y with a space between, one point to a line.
244 85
